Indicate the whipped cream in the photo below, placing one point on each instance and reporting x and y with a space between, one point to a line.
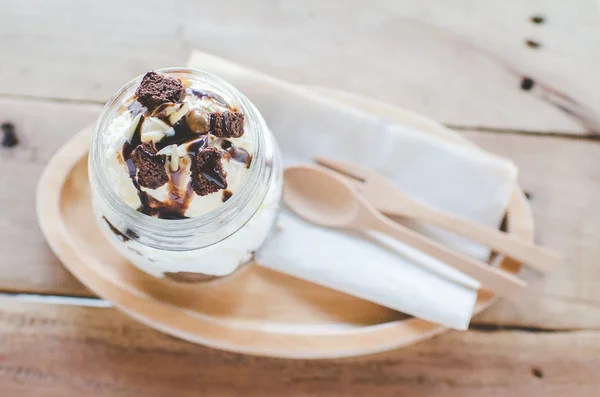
220 259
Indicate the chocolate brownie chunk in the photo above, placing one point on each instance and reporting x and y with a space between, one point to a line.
156 89
208 175
226 195
227 124
151 166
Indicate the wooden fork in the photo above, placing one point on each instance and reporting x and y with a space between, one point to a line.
391 201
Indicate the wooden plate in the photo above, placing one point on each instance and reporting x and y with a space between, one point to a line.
255 311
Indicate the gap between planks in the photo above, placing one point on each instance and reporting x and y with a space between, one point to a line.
457 127
101 303
552 134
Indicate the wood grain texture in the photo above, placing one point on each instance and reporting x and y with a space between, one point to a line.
460 62
563 179
60 350
561 174
26 262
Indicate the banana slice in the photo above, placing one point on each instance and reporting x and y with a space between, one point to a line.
132 127
154 129
174 162
179 113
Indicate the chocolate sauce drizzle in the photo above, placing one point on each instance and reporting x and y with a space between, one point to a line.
205 94
214 175
236 153
197 145
179 198
128 148
116 231
136 108
178 202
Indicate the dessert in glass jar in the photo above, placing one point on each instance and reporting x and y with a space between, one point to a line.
186 176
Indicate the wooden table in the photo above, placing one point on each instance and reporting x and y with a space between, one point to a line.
475 66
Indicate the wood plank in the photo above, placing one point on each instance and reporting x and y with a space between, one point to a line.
560 173
60 350
459 62
26 263
563 179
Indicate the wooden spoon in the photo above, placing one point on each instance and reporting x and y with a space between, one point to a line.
322 197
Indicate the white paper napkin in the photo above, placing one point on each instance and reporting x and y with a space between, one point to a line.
462 180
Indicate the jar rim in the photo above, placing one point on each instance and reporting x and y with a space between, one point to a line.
198 231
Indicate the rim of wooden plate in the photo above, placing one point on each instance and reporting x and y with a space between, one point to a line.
185 325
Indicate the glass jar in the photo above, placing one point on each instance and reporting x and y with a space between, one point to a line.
204 247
